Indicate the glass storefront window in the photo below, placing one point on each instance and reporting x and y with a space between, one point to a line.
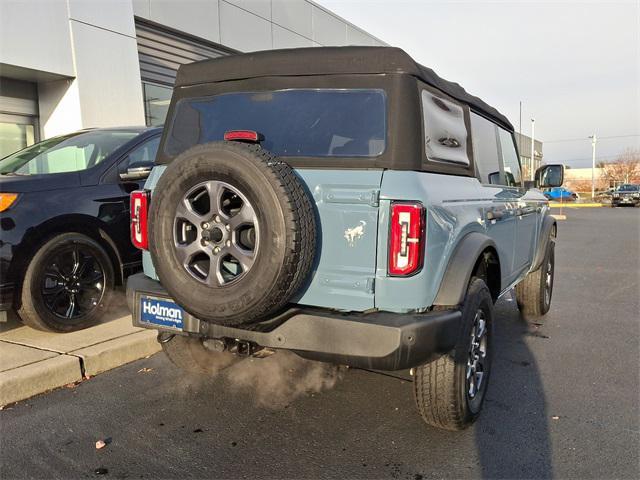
14 137
156 103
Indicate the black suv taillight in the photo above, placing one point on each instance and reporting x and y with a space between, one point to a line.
406 239
139 210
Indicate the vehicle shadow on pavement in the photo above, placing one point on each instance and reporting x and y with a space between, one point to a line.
512 434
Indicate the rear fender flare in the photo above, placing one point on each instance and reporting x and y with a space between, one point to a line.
463 261
548 233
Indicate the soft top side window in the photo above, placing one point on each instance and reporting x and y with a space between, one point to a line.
485 150
511 165
445 131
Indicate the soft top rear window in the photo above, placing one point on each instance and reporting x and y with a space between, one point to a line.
294 122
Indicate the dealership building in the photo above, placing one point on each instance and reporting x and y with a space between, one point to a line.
72 64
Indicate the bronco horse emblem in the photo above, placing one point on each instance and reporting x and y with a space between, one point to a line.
353 234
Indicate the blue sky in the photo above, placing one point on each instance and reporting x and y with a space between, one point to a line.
574 65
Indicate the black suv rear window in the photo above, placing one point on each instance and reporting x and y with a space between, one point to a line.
294 123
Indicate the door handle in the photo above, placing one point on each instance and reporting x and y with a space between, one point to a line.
521 212
495 214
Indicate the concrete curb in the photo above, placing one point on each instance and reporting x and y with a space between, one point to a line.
35 362
114 353
24 382
575 205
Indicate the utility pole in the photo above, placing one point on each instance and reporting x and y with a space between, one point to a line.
533 150
594 140
520 134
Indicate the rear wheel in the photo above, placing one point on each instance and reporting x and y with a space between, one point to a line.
449 392
533 294
67 285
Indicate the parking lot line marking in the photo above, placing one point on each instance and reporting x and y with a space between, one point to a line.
575 205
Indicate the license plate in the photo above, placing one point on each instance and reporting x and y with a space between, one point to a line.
161 312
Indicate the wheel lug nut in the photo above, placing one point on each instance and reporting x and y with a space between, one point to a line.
227 227
217 219
203 242
228 244
216 250
205 225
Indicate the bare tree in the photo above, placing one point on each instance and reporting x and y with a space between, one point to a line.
625 169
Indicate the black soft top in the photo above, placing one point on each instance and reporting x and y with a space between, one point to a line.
327 61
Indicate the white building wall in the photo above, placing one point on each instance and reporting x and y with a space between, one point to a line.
196 17
249 25
108 76
36 35
83 53
59 103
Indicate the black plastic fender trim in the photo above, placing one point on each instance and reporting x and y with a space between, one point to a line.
455 281
546 235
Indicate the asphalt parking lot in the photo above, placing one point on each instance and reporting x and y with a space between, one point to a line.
563 400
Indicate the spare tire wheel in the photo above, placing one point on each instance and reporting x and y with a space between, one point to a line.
232 232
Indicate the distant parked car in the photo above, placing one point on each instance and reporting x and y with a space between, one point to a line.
627 194
561 193
64 218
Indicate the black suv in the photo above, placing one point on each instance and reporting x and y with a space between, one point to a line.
627 194
64 218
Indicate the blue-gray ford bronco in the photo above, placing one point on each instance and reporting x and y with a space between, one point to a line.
348 205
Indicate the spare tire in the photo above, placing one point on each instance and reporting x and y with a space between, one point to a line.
232 232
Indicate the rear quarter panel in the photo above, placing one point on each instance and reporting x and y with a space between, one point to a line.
454 207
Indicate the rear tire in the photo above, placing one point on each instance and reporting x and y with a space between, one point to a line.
190 355
534 293
448 391
68 284
220 264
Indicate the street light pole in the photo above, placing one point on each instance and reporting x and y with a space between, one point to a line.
594 140
533 143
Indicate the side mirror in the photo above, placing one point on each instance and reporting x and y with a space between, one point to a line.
549 176
137 171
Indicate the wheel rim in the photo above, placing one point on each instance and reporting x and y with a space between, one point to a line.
73 283
216 233
548 282
477 364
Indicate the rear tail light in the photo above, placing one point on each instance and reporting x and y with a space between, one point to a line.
406 245
139 217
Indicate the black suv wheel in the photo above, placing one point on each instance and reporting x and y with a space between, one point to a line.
67 285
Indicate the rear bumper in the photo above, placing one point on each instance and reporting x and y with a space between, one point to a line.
627 200
378 340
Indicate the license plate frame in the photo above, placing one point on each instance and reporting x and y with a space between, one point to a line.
159 312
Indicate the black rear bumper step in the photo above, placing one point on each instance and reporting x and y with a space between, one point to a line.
377 340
